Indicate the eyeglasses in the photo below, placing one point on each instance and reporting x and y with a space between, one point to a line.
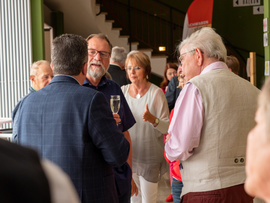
103 54
136 68
180 59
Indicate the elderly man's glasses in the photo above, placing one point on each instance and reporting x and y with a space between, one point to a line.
103 54
180 59
134 68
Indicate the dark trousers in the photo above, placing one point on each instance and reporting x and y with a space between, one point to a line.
123 176
226 195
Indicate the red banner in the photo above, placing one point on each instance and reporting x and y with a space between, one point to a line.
199 15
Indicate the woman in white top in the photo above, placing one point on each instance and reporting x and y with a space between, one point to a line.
150 110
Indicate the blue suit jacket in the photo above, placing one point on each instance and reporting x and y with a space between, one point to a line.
15 115
73 127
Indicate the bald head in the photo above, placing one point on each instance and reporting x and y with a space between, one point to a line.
41 74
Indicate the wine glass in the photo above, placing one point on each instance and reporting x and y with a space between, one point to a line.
115 103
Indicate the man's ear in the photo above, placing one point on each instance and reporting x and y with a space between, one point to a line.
84 69
51 66
199 56
32 78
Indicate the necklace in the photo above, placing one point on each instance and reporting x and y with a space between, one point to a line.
138 96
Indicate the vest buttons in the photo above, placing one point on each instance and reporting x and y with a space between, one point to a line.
239 160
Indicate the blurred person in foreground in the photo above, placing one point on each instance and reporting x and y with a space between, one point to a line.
41 75
73 126
26 179
150 109
208 133
99 49
169 72
117 66
258 149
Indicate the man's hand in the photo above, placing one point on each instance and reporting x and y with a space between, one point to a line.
116 118
168 137
134 189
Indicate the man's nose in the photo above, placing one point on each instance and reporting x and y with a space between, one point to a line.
97 57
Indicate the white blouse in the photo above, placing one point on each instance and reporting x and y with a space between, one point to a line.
148 141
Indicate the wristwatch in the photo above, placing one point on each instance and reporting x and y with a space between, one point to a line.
156 122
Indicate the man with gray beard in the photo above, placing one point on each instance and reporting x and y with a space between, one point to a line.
99 53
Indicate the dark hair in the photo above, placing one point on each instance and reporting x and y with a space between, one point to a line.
165 81
233 63
100 36
69 54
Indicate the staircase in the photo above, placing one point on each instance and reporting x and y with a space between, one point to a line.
105 26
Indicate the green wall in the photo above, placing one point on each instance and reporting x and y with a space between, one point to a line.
267 15
37 23
242 31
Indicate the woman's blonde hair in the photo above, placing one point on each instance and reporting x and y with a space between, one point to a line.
142 60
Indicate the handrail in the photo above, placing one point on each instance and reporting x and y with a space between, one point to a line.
173 8
163 27
152 36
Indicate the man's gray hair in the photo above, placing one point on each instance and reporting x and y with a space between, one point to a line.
100 36
119 55
35 66
69 54
208 41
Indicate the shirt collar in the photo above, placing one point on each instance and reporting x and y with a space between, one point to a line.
68 76
115 65
214 66
102 82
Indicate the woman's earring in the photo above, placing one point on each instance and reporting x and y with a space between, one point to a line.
147 77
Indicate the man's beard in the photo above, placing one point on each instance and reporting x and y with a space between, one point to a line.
96 72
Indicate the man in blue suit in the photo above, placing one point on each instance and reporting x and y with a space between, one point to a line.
73 126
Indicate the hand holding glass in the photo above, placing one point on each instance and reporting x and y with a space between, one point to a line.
115 103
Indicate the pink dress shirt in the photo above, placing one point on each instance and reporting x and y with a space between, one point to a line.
187 121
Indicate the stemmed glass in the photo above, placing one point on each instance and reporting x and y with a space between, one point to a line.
115 103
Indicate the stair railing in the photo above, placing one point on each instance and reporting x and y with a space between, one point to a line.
152 24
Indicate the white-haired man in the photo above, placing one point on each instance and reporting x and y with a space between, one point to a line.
212 117
117 66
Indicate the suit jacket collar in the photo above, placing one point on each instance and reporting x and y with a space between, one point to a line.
115 66
31 90
64 78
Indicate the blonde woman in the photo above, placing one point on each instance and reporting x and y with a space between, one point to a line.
150 109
